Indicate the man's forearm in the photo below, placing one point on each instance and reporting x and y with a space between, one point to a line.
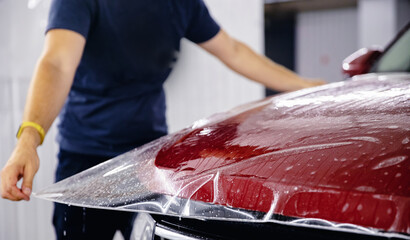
52 78
243 60
47 93
259 68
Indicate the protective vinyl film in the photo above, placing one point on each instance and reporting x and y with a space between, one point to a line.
334 156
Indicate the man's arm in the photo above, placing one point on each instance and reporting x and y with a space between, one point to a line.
243 60
48 91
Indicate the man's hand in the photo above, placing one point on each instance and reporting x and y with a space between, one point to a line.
23 163
314 82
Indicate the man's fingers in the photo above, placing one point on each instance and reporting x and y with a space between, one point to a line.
12 193
9 197
17 194
9 189
319 82
27 184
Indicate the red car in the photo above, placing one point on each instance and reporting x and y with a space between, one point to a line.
330 162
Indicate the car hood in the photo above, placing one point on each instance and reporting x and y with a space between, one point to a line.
337 153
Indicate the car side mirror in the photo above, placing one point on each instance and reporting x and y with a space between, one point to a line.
360 61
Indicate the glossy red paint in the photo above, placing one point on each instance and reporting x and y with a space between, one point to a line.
338 152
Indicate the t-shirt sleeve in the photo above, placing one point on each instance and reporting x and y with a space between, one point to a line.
202 26
72 15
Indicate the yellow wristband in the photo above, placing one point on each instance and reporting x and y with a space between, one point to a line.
39 129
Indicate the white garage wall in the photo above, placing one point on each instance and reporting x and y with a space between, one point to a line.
199 86
380 20
21 37
323 40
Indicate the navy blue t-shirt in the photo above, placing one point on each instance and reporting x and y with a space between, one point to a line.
117 100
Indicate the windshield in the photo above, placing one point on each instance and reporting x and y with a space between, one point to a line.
397 57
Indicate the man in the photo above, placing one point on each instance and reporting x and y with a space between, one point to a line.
106 62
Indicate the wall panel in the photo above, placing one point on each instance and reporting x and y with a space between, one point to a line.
323 39
200 85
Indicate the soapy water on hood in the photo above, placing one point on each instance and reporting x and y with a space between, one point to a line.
272 158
